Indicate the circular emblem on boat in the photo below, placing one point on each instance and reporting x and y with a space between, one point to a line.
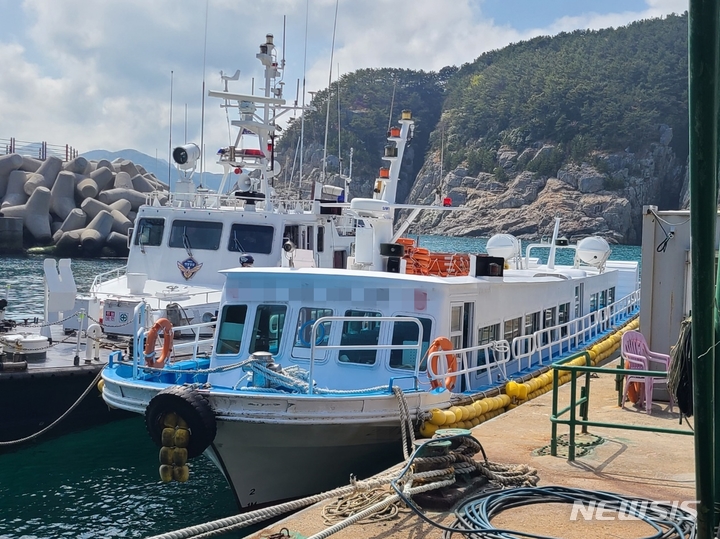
191 407
123 317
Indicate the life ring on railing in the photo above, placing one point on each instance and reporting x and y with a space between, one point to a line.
442 343
320 333
151 338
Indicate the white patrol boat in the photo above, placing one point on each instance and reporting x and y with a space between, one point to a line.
177 249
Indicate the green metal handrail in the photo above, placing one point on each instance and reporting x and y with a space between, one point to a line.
584 400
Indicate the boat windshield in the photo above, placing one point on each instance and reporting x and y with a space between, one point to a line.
186 234
251 238
149 231
230 331
268 328
306 319
360 333
406 333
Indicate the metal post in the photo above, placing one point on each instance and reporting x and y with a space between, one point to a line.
703 44
553 437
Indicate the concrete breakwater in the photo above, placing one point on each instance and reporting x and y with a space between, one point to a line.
77 208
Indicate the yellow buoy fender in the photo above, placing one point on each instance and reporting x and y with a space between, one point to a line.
194 418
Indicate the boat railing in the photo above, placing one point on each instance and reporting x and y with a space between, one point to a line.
320 321
553 341
191 347
544 246
489 359
106 276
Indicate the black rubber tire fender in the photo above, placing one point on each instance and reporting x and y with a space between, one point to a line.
189 404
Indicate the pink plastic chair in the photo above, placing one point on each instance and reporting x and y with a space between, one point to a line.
638 356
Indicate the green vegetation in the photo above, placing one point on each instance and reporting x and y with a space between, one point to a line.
586 90
366 97
583 91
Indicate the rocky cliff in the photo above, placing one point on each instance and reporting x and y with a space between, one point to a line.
602 196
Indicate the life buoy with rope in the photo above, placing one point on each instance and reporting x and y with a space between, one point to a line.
151 338
186 404
442 343
320 333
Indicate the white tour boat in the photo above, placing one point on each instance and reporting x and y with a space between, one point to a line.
313 374
177 249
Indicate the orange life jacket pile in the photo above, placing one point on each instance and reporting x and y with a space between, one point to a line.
420 261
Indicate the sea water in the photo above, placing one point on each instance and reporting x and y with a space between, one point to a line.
103 481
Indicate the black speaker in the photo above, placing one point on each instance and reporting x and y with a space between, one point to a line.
489 266
393 264
392 249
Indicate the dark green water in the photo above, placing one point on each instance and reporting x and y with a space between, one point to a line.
103 482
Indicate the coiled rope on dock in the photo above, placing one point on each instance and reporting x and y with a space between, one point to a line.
399 477
475 515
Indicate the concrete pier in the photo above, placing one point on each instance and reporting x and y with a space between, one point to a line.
649 465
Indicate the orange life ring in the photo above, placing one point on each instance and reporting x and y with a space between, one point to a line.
443 343
151 337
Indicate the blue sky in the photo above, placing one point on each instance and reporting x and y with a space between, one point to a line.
96 74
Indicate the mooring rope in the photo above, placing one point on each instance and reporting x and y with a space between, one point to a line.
59 419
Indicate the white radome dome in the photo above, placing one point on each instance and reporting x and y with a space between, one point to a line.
593 251
503 245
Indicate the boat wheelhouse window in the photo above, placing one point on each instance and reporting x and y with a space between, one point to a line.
267 328
303 330
149 231
603 299
230 331
406 333
512 329
360 333
456 326
611 295
593 302
190 235
251 238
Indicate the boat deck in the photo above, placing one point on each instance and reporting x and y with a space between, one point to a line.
34 397
628 462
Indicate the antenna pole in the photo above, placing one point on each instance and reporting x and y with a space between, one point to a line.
185 123
170 137
202 106
302 117
338 111
327 115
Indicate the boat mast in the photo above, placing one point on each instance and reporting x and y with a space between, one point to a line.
327 114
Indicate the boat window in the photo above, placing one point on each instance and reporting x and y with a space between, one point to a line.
611 295
303 330
406 333
563 317
230 331
603 299
191 235
487 335
267 328
548 322
320 239
593 302
149 231
360 333
532 323
512 329
251 238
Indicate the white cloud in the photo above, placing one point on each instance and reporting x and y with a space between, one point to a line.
97 74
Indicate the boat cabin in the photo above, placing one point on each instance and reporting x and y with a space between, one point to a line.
535 314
